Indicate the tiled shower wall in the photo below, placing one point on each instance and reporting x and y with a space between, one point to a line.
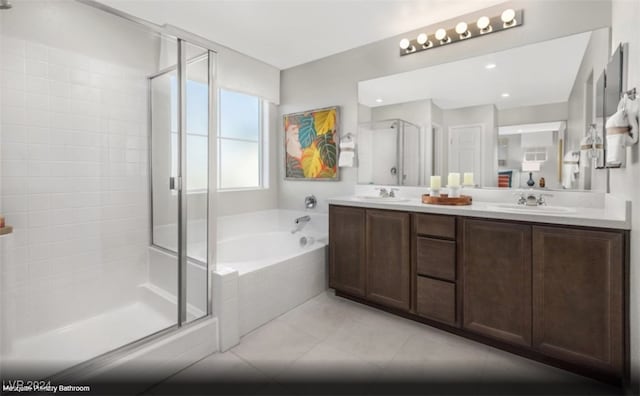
73 183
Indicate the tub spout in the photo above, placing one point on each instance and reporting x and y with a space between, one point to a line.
300 222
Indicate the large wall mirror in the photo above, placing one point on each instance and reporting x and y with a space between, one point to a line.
509 117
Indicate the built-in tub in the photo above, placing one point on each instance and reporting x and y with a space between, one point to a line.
275 273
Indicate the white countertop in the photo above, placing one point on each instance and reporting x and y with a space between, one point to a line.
615 213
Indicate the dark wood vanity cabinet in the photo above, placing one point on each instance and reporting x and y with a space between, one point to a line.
388 258
347 250
553 293
496 280
369 254
578 296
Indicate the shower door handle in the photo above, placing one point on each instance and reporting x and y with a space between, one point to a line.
175 183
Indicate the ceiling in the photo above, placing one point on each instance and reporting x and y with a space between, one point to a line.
531 75
286 33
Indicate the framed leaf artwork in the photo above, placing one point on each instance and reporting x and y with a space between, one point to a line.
310 145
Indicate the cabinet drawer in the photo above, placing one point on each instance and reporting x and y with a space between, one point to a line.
436 258
436 300
436 225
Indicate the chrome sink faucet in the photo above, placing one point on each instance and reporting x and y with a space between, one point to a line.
300 223
530 199
384 193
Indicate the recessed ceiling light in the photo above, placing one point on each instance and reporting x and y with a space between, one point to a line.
378 100
490 66
505 95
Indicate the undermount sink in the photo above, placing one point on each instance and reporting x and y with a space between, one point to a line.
374 198
532 209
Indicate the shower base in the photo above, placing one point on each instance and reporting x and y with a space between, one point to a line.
56 350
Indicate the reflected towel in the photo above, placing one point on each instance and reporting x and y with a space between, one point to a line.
586 145
570 168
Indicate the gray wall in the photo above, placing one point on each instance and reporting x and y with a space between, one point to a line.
533 114
333 80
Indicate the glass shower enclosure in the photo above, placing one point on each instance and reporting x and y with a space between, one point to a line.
105 126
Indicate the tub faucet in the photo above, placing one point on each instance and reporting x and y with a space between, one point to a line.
300 223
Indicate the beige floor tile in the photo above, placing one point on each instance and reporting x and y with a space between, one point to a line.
273 347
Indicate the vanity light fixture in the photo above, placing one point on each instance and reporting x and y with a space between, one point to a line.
484 24
509 18
423 40
442 37
461 29
406 46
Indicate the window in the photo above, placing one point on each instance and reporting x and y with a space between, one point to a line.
197 103
240 141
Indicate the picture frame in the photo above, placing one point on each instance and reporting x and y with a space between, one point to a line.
311 145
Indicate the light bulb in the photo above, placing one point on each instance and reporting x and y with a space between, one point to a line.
508 16
441 34
490 66
461 28
405 43
422 38
483 22
505 95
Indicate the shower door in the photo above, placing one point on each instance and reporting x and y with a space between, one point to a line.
180 119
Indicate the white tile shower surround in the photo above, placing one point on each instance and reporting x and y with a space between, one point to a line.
73 184
332 338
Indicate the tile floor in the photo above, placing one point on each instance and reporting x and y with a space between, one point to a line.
361 350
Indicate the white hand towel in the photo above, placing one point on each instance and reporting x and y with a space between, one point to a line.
350 145
346 159
616 150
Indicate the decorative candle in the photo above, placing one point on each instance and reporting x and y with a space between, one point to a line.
468 179
435 182
454 180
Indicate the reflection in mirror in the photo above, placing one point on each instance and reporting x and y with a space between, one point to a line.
389 153
501 116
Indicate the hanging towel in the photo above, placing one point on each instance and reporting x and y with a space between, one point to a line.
570 168
586 145
616 147
347 154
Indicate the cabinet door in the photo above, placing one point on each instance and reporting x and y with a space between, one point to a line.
578 286
496 276
388 258
346 249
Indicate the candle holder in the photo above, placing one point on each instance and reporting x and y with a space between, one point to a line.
454 191
435 192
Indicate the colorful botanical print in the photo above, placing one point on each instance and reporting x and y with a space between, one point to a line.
310 142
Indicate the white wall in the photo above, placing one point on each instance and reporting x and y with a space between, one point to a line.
624 182
333 80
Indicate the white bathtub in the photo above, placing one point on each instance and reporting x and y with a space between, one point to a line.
274 273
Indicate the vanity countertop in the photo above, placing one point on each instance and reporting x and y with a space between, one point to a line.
615 215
